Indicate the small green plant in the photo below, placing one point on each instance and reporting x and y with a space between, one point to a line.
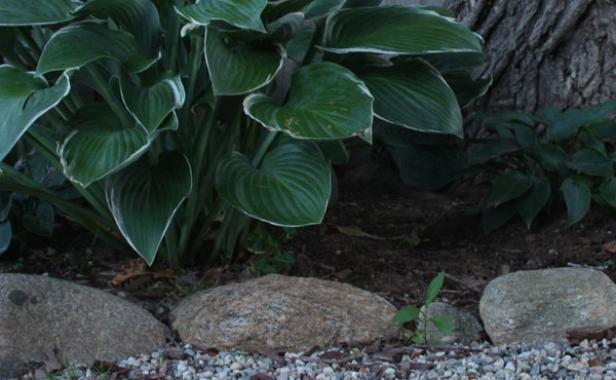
181 124
269 257
419 315
541 159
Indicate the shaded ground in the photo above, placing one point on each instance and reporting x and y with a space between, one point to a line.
385 242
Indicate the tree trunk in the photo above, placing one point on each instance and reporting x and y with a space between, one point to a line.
542 52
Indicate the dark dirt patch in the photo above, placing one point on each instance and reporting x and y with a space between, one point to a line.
414 234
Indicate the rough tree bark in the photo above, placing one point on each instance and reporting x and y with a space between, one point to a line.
542 52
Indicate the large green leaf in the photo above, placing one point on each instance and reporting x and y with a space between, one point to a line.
144 197
467 88
151 105
291 187
245 14
577 196
238 67
414 95
511 185
77 45
24 98
139 17
320 8
397 30
99 145
34 12
592 162
531 205
326 102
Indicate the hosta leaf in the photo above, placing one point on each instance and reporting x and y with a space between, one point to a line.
238 67
407 314
466 88
24 98
291 187
77 45
552 157
151 105
608 191
531 205
245 14
144 197
491 149
6 235
319 8
511 185
397 30
34 12
139 17
562 125
415 96
326 102
362 3
577 196
99 145
592 162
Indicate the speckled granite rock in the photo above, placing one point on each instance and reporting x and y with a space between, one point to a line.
466 328
542 305
39 314
283 313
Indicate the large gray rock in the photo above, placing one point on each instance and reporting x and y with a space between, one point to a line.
466 328
39 314
542 305
283 313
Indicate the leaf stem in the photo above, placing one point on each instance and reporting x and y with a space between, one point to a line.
266 142
106 92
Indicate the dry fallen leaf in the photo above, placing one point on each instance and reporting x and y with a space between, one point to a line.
138 268
355 231
610 246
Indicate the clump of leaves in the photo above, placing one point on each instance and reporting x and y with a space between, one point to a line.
419 315
183 123
547 158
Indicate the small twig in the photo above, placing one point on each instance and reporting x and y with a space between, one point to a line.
462 283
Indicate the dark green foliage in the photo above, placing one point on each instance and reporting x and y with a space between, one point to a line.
547 158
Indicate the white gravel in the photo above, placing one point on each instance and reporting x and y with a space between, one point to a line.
588 360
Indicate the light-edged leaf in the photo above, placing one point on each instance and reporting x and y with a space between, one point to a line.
508 186
151 105
326 102
531 205
239 67
442 323
244 14
414 95
434 288
139 17
35 12
592 162
406 314
24 98
99 145
291 187
320 8
77 45
397 30
577 196
6 235
467 88
144 197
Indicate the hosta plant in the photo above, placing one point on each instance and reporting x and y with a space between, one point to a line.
547 158
180 122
